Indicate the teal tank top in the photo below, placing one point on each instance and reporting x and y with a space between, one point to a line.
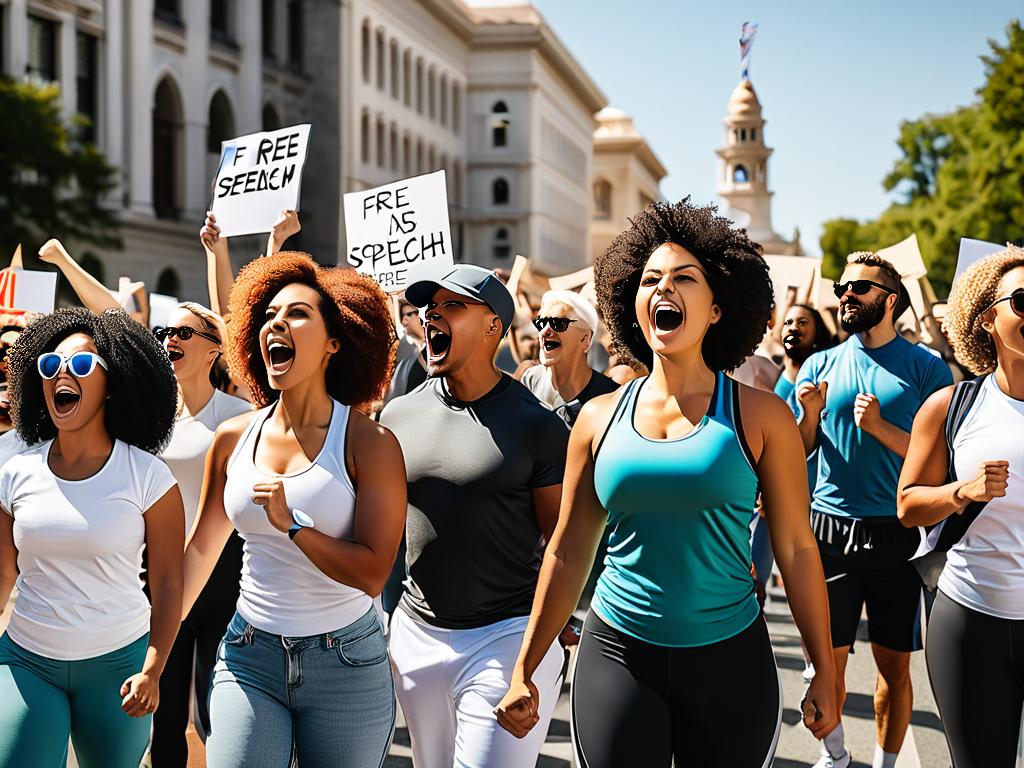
677 572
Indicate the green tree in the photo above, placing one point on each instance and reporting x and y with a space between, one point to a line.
960 174
52 184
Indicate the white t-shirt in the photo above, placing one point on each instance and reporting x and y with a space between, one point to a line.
80 551
11 444
190 441
985 570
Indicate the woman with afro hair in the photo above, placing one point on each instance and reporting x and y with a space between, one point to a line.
675 660
95 398
965 472
316 490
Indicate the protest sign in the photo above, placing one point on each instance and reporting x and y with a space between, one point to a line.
161 308
972 251
573 281
258 177
28 290
906 257
399 229
792 274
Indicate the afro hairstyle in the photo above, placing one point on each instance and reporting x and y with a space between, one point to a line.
354 309
142 392
736 272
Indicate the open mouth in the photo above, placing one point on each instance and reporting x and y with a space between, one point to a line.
791 340
175 354
667 317
65 400
551 345
281 356
438 343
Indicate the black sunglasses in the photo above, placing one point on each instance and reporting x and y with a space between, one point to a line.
558 324
184 333
1016 300
858 287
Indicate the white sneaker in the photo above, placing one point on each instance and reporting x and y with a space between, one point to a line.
827 761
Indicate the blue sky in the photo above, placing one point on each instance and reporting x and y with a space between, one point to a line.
835 80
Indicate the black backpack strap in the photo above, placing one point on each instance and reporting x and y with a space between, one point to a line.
955 526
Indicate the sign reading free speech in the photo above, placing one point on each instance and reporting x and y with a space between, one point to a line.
259 176
399 228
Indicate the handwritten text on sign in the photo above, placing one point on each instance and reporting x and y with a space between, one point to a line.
259 176
398 228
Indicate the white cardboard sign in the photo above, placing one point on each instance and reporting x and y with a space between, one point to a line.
399 229
258 177
793 272
972 251
906 257
28 290
161 307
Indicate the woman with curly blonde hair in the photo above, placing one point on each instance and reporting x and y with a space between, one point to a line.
316 490
966 458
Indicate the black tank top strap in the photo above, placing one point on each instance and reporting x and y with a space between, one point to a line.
736 416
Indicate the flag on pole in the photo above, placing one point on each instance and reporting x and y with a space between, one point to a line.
746 43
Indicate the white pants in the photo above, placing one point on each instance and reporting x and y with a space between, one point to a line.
450 680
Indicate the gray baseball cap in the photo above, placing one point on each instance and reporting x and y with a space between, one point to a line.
472 282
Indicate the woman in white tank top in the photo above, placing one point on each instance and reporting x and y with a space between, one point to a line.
975 642
193 340
317 492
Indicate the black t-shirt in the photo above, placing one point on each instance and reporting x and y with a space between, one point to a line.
472 534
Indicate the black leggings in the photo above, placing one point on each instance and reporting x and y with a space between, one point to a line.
195 649
976 667
713 706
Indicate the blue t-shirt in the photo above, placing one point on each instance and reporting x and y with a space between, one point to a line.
786 389
857 475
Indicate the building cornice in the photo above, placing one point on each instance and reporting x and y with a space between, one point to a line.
454 15
636 145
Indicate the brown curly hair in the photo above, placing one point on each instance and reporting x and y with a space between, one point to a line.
354 309
973 293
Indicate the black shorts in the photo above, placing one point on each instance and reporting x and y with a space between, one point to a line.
867 563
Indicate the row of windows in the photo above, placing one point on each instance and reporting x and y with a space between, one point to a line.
422 87
43 61
603 200
740 134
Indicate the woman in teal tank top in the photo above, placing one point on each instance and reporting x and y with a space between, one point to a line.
675 660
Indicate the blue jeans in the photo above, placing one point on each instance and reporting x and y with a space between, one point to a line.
328 699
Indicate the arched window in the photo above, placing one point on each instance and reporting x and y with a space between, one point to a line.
444 99
406 155
271 122
168 283
381 144
167 150
743 134
367 55
499 191
740 175
380 60
456 108
419 86
502 248
602 200
393 143
419 155
457 184
753 134
431 93
220 124
395 71
499 125
407 77
364 138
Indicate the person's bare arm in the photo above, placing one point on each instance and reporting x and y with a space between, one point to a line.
925 496
219 276
286 225
867 415
91 292
782 473
546 502
365 560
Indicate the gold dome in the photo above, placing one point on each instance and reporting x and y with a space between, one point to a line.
743 102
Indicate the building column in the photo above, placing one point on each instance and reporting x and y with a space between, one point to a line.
250 78
111 108
140 115
195 104
67 63
16 43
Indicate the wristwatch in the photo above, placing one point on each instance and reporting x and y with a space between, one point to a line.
300 520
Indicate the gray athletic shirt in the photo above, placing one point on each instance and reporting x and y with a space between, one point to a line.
472 534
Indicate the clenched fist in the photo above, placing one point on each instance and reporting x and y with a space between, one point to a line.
988 484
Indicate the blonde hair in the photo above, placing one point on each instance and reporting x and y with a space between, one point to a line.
972 294
212 323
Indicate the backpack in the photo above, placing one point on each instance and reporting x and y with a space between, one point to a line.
930 558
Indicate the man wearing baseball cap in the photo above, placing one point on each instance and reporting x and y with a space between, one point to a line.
484 461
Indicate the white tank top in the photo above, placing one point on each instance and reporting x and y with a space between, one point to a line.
985 570
281 591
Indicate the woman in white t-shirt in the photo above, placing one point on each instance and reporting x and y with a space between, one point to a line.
82 656
193 340
317 492
975 642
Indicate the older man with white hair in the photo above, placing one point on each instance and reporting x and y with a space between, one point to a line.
564 381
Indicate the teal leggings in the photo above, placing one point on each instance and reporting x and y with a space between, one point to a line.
44 701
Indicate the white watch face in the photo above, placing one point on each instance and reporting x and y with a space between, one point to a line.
302 518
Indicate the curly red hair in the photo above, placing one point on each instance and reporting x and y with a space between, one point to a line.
353 306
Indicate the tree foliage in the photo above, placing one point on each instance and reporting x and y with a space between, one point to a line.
960 174
52 184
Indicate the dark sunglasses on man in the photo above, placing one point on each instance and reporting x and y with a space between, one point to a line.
558 324
1016 300
858 287
184 333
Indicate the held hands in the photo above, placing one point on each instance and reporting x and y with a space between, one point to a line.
270 496
988 484
819 706
287 224
812 397
53 252
517 712
867 412
140 695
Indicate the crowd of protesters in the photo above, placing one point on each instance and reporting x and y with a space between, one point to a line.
289 514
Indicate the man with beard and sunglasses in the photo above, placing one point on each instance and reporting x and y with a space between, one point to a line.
484 460
858 401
